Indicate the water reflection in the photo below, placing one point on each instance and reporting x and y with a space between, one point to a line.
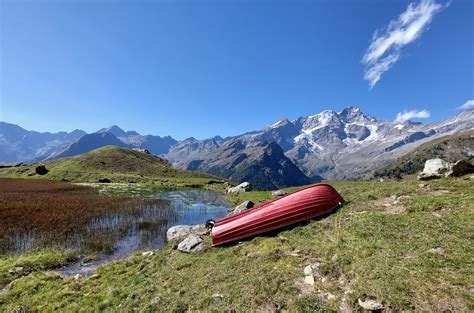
146 227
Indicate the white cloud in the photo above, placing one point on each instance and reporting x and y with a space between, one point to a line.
406 115
386 44
469 104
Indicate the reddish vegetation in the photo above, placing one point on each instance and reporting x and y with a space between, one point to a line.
51 210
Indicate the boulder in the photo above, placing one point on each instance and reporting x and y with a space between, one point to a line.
243 187
181 231
192 243
241 207
41 170
278 193
460 168
434 168
370 305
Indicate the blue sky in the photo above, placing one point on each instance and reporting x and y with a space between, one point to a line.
202 68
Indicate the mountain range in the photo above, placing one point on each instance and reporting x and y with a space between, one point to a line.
328 145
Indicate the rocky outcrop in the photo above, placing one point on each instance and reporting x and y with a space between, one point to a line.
434 168
437 168
241 207
263 164
180 232
192 243
243 187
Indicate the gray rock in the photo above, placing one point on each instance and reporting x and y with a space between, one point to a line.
436 167
141 150
147 253
243 187
438 250
460 168
278 193
181 231
370 305
241 207
192 243
309 280
41 170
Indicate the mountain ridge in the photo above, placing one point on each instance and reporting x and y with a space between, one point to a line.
332 145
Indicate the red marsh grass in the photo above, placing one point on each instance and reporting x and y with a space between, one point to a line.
52 211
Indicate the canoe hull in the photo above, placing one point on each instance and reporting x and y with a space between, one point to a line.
295 207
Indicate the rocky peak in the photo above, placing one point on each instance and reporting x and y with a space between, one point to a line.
114 130
353 115
320 120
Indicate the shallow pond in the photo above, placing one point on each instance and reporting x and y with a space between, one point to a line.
145 228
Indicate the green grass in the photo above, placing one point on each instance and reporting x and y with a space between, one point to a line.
120 165
363 251
15 266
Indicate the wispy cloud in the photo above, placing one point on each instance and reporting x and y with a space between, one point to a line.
386 44
469 104
406 115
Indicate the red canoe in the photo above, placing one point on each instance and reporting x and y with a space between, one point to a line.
290 209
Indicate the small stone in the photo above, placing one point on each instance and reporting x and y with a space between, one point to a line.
308 270
293 253
95 276
218 295
147 253
316 265
370 305
309 280
283 239
422 185
77 276
438 250
278 193
330 296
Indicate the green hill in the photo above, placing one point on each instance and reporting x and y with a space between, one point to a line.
449 148
119 165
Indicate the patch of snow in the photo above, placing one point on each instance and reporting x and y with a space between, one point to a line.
373 133
399 126
306 135
274 125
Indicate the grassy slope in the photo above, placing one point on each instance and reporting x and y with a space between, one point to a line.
450 148
363 251
116 164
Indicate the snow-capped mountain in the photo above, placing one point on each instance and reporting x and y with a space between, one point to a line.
332 145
